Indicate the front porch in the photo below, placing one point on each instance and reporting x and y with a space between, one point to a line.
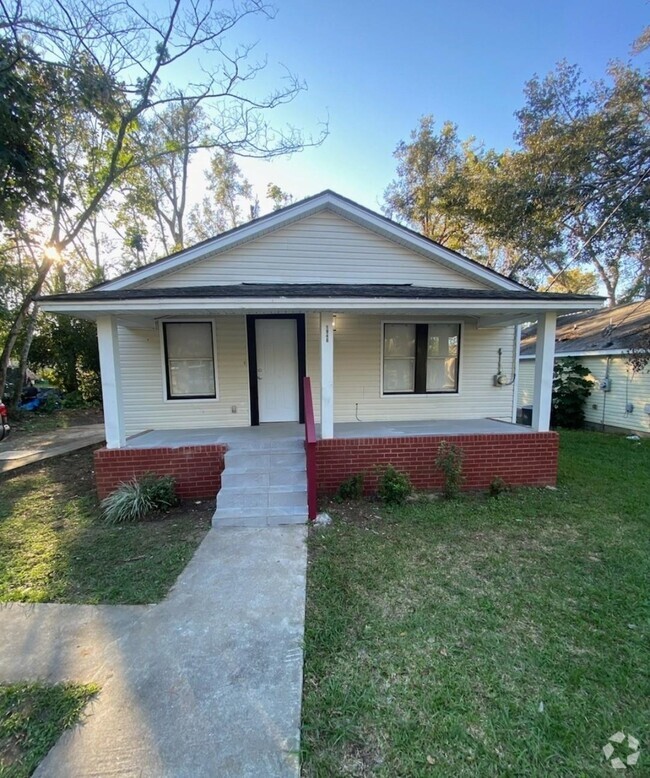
259 474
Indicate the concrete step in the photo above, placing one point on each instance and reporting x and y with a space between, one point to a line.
275 479
259 520
263 462
262 498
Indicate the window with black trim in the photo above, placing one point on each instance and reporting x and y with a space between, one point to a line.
421 358
189 360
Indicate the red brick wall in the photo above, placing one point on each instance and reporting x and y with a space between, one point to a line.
521 460
197 469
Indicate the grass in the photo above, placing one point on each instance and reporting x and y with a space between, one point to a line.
485 636
33 422
32 718
55 547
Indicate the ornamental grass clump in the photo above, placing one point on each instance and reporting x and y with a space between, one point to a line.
139 498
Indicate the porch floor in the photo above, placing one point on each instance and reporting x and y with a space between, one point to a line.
275 435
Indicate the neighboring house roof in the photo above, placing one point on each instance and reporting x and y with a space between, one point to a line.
324 291
608 330
324 201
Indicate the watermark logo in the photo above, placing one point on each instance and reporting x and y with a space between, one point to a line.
619 754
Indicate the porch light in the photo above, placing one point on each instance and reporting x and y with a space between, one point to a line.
333 322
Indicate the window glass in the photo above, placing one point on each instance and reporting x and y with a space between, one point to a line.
399 358
190 359
442 358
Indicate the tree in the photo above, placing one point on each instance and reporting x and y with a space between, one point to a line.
230 200
155 195
118 63
574 281
29 92
278 196
427 171
576 193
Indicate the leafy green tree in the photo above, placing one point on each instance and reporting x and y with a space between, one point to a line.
117 65
576 194
230 201
69 347
427 171
29 91
278 196
574 281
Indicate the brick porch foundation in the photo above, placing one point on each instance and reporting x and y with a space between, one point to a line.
197 469
520 460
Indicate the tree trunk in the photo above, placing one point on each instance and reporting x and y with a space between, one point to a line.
19 320
24 355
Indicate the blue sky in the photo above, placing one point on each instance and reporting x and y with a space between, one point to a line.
375 67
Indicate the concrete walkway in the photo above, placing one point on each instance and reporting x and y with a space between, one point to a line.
207 683
27 449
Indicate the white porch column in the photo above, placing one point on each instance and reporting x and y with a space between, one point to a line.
543 380
326 376
109 362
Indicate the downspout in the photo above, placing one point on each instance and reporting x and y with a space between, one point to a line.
516 352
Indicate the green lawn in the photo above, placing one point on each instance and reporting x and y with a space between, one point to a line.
32 718
485 637
54 546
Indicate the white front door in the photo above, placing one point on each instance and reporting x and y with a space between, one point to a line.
276 342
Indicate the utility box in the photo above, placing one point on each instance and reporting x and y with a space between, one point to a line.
606 384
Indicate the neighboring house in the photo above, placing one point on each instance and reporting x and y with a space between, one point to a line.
601 340
405 342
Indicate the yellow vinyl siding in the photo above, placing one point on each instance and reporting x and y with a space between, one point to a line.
143 382
357 377
358 370
323 248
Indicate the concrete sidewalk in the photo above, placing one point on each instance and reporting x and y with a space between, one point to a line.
27 449
207 683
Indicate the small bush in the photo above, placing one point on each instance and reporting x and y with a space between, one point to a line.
352 487
73 400
138 498
394 487
571 387
450 461
497 486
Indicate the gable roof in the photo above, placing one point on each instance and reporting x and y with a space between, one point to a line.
319 291
608 330
327 200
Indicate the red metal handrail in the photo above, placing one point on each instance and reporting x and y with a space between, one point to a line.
310 449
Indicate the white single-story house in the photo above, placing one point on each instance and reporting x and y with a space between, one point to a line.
601 340
403 341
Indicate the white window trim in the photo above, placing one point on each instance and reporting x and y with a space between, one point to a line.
163 359
426 395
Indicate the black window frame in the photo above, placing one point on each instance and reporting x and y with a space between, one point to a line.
421 357
169 395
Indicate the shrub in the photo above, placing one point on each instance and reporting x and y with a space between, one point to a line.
450 461
571 387
73 400
352 487
394 487
497 486
138 498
